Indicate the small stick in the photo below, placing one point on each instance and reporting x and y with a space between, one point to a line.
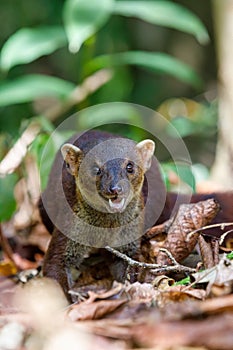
155 267
223 236
170 256
222 225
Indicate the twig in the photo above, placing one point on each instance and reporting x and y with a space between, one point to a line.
155 267
221 225
223 236
170 256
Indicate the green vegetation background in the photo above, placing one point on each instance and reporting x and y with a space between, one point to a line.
159 52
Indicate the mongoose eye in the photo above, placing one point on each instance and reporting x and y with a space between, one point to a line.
130 167
96 170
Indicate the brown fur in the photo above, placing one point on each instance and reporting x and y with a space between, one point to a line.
64 253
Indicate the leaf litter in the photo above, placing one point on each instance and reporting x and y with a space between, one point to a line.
155 312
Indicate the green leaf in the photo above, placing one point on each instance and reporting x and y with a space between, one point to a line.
30 87
27 44
164 13
82 18
230 255
157 62
185 281
7 200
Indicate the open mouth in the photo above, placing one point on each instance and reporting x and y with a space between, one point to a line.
117 204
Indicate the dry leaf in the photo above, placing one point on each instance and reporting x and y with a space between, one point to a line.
94 310
117 288
219 275
163 282
209 249
95 306
179 294
141 291
189 218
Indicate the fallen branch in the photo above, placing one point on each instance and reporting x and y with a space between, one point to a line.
155 267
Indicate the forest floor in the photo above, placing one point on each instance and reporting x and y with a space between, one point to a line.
182 298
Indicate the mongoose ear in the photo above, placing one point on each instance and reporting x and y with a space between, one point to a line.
146 149
71 155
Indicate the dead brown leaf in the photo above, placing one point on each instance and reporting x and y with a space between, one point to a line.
180 294
189 218
94 310
141 291
217 305
96 306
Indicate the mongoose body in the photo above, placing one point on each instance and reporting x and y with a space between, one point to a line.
96 196
106 190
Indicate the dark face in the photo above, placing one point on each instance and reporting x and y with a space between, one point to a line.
117 182
110 174
111 187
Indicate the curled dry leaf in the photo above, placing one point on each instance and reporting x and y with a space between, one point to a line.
163 282
190 217
96 306
114 291
95 310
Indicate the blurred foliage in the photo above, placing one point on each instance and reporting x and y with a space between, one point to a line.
153 48
7 200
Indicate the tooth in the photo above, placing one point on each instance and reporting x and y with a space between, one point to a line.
117 205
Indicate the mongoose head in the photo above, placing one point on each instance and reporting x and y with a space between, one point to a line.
110 174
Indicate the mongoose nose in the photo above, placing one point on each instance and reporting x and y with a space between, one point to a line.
115 189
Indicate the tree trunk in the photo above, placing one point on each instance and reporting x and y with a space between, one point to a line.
222 171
